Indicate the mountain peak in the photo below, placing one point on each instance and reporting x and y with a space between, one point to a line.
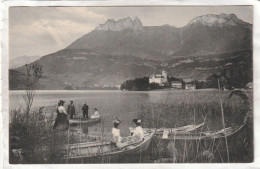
121 24
217 20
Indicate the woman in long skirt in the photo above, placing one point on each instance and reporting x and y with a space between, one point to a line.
61 122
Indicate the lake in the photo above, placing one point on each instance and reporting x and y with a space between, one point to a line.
110 103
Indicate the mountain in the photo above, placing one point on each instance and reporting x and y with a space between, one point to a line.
202 35
22 60
152 43
125 49
16 80
221 20
215 33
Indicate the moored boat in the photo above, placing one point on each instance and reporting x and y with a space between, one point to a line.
186 132
106 148
182 129
83 121
199 135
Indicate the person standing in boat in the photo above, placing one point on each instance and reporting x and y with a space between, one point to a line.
85 110
61 121
95 115
71 109
138 132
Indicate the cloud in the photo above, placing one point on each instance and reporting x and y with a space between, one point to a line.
50 29
43 30
80 14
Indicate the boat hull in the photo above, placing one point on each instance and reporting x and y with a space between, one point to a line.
84 121
180 130
200 135
96 150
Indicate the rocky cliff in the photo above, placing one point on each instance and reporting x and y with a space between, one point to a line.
220 20
121 24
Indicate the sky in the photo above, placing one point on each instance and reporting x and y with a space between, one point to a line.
38 31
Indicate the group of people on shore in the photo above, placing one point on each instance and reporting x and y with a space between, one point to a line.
136 136
62 114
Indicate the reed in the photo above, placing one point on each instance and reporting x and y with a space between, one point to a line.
34 136
194 107
223 122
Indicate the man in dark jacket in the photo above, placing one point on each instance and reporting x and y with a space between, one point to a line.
71 109
85 110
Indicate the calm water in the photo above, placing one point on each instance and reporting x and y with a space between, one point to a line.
126 105
122 104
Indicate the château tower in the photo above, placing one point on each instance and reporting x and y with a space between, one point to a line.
164 74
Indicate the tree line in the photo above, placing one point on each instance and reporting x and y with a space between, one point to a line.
240 80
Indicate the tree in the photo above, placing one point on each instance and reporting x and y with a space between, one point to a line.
153 86
34 73
212 81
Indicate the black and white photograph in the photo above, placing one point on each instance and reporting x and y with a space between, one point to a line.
130 84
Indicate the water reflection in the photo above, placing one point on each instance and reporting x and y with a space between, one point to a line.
85 129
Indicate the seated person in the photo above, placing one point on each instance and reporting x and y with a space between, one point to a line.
138 132
116 134
95 115
125 141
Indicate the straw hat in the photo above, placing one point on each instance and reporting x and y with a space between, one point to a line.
116 120
139 121
62 101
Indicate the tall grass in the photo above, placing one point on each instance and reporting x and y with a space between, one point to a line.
34 137
185 109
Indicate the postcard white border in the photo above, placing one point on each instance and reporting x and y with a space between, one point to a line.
4 161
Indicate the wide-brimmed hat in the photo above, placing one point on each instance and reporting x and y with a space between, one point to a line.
62 101
116 121
137 121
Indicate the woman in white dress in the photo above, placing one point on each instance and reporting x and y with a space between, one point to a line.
95 115
138 132
120 142
116 132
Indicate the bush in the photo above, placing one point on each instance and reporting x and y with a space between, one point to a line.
35 138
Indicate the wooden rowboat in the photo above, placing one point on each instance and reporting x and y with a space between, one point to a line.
83 121
185 132
106 148
183 129
199 135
